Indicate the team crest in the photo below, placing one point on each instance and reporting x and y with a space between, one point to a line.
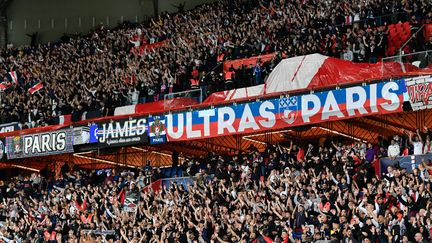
16 141
288 109
157 130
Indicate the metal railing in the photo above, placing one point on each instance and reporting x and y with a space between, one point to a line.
420 60
194 94
415 35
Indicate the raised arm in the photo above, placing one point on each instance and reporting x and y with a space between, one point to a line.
419 137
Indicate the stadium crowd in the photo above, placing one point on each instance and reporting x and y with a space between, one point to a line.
284 193
100 71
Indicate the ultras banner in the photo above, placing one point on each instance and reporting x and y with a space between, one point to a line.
420 92
385 97
40 144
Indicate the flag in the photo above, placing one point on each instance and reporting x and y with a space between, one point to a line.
4 86
14 77
35 88
64 119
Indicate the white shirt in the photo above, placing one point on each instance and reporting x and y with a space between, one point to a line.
418 148
427 148
393 150
72 210
349 56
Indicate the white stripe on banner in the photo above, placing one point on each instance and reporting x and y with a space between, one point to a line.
124 110
84 116
61 120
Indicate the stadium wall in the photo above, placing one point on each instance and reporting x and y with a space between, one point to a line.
169 5
51 19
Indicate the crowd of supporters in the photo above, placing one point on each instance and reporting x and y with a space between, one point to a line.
282 193
99 71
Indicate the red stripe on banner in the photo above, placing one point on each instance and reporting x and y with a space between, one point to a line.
236 64
298 68
67 119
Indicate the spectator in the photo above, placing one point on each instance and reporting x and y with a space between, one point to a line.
348 55
417 143
257 73
164 54
393 150
370 153
258 196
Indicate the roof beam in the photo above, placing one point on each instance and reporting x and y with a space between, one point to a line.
397 126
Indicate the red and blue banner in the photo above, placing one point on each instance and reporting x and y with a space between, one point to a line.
287 111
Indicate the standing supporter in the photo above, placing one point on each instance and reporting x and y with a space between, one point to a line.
161 56
393 150
258 196
417 143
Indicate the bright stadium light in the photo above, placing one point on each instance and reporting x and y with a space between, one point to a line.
160 153
248 137
341 134
88 152
141 149
103 161
253 140
181 158
25 168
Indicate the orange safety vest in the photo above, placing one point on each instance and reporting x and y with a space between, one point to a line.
194 83
228 76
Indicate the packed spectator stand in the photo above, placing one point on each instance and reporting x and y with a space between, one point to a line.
100 71
288 192
284 193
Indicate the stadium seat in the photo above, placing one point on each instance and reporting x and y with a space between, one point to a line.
398 35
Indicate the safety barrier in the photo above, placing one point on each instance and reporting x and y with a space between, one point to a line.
409 162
